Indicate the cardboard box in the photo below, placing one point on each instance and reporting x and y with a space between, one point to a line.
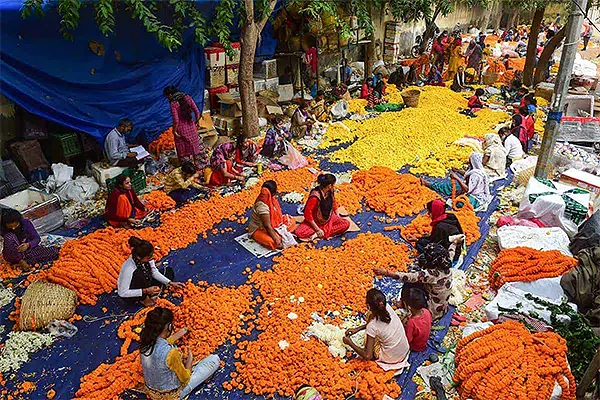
206 121
230 106
227 126
103 171
215 77
266 69
582 179
215 57
272 84
209 138
286 93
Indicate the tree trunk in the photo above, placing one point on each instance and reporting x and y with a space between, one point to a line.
542 65
498 16
248 40
512 19
538 16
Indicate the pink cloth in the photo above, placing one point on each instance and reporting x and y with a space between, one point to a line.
507 220
187 143
391 344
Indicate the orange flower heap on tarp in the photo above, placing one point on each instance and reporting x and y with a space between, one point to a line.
398 195
417 228
158 200
166 141
90 265
523 264
506 361
306 280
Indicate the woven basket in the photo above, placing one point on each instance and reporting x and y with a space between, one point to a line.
489 78
45 302
411 97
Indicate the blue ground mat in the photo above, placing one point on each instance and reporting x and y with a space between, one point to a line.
67 360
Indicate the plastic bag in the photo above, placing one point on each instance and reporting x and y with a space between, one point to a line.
62 173
60 328
293 159
534 237
339 109
588 234
80 189
287 240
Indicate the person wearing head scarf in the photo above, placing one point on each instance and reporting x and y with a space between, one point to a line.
435 278
456 58
494 156
519 130
321 218
268 225
474 182
306 392
434 78
22 242
444 226
123 207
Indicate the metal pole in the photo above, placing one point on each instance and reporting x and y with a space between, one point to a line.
561 88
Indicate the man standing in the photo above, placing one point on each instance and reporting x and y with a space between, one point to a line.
116 148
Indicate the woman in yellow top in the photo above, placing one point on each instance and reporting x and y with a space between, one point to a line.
166 375
456 56
181 184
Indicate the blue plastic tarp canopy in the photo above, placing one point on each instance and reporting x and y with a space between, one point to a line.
67 83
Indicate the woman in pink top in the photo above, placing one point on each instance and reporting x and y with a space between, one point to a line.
385 342
185 130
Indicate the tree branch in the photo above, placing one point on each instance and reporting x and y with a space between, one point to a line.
265 15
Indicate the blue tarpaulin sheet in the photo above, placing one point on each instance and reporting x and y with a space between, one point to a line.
63 364
66 83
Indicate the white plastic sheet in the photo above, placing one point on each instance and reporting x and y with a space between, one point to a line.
536 238
80 189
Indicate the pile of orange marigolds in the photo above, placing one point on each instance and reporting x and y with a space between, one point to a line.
327 279
506 361
211 314
90 265
166 141
158 200
523 264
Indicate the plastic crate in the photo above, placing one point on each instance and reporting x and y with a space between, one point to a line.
68 142
13 176
138 180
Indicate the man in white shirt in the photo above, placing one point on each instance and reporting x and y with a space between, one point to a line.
117 149
512 145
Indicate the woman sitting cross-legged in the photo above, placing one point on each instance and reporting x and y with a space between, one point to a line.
475 184
139 279
166 375
268 226
180 184
123 207
320 213
385 340
22 242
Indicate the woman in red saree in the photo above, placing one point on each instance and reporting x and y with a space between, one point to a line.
267 219
320 213
123 207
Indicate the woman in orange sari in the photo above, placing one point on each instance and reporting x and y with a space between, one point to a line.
267 222
123 207
320 213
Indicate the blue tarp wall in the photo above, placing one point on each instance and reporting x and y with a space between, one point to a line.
66 83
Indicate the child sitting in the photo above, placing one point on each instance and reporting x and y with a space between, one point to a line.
418 326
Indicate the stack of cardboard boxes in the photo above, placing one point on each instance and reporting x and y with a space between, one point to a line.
391 44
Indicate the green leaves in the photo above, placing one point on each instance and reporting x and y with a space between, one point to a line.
222 22
105 18
69 11
32 6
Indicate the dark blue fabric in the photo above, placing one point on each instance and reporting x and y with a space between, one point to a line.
66 83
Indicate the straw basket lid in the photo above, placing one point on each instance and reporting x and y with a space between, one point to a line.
44 302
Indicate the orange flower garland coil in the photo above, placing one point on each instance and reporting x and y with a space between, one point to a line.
523 264
506 361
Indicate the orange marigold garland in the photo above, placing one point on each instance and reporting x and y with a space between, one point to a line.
324 279
506 361
166 141
158 200
523 264
90 265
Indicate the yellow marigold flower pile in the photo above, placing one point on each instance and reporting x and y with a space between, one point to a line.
542 102
393 94
421 137
357 106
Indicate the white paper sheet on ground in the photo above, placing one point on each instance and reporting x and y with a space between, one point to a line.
141 152
254 247
535 238
510 294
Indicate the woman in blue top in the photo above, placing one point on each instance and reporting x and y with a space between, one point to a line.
166 375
